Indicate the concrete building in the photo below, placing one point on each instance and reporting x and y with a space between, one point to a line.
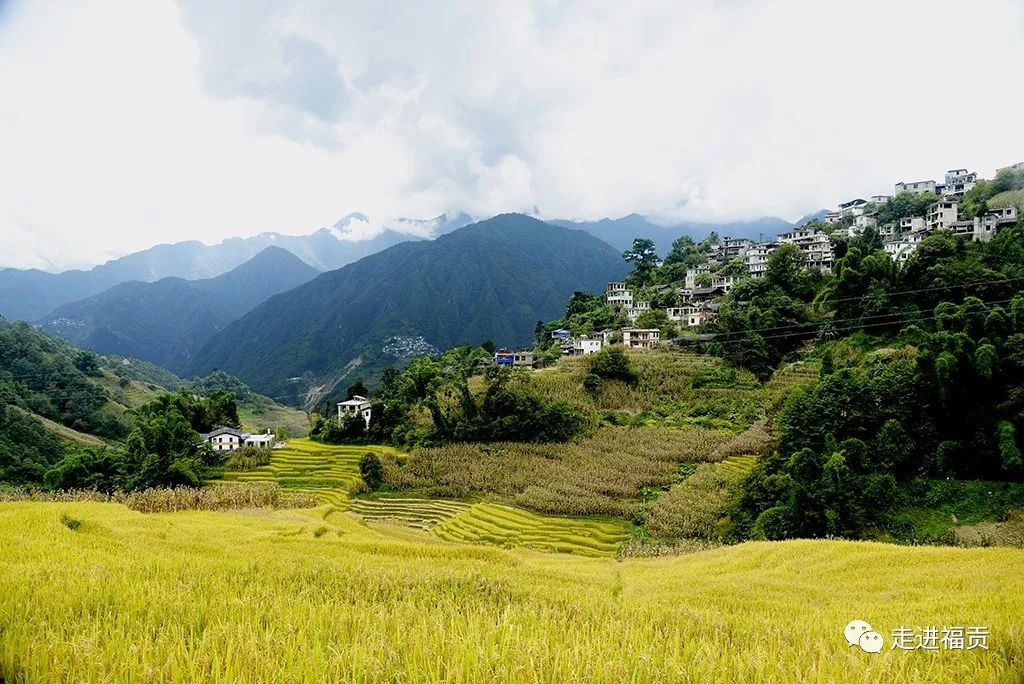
879 199
756 258
356 406
901 248
959 181
863 221
816 246
690 280
619 295
690 316
854 207
585 346
637 309
915 186
641 338
735 248
910 224
986 227
504 357
941 215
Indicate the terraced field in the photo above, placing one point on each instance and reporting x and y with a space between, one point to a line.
507 526
739 465
323 470
424 514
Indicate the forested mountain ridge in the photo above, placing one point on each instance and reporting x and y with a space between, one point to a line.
491 280
166 321
29 294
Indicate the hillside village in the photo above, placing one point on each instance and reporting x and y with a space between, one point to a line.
900 221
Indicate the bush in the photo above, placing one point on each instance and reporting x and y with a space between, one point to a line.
371 470
249 458
611 363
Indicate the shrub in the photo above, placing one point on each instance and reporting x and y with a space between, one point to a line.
249 458
371 470
611 363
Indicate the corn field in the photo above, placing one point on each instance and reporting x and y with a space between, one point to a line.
217 497
601 475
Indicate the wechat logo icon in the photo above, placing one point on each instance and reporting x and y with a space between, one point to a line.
859 633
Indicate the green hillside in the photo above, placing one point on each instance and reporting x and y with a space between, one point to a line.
491 280
166 321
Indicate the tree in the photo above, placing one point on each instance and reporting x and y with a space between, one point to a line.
87 362
358 388
644 258
784 267
488 346
905 204
611 363
685 253
371 470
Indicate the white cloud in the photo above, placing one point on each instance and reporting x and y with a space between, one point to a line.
125 124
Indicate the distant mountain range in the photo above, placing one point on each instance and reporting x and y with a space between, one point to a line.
490 280
31 294
165 321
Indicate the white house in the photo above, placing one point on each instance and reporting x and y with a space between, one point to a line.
584 346
756 258
619 294
854 207
357 405
915 186
879 199
690 316
941 215
637 309
815 244
910 224
865 220
959 181
637 338
230 439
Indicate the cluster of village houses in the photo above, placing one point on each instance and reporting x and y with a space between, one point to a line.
698 303
902 238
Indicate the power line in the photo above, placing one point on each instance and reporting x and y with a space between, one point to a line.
827 321
807 332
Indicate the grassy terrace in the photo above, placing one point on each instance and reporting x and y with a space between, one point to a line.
508 526
323 470
423 514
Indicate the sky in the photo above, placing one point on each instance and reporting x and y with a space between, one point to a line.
125 124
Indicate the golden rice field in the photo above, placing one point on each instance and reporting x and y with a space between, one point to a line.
423 514
508 526
315 596
322 470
